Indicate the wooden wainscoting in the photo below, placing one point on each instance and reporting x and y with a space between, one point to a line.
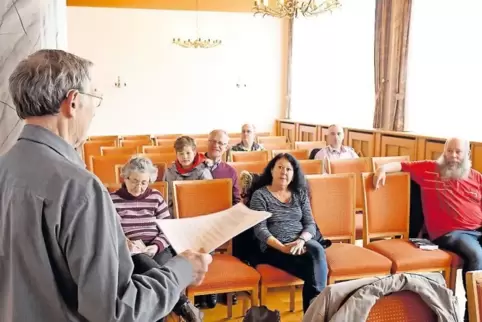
308 132
392 146
288 130
378 143
432 149
362 142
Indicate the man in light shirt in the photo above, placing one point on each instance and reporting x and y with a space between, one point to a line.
335 150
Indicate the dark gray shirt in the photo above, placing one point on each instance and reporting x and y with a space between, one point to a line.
288 220
63 255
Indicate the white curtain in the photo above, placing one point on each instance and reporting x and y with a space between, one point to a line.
444 76
333 66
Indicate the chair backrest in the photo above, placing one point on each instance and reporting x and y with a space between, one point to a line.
157 149
309 145
201 197
378 161
250 156
311 166
277 146
357 166
250 166
298 154
272 139
116 150
161 171
402 306
474 295
138 144
103 138
333 205
168 143
387 209
166 136
142 137
91 148
161 186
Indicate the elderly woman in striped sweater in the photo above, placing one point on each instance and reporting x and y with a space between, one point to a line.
138 207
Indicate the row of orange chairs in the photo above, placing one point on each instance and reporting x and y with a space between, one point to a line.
386 214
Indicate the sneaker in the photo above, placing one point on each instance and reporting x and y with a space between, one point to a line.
190 313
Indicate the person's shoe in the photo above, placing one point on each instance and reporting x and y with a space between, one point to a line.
190 313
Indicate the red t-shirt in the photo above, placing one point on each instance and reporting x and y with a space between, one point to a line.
448 205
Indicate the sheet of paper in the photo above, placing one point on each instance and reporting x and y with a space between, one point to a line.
206 233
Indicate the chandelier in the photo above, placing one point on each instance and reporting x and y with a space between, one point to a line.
295 8
197 42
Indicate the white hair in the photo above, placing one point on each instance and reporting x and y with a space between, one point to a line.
140 164
40 83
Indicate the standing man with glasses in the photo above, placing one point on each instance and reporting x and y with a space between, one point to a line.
63 254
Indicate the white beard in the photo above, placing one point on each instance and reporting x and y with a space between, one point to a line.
458 171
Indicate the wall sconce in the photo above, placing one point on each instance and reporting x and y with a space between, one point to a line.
119 84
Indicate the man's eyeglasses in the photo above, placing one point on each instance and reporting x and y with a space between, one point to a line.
98 97
217 142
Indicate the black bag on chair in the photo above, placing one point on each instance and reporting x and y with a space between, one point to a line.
262 314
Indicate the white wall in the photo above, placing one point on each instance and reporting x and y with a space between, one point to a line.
177 90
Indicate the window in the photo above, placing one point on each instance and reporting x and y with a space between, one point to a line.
333 66
444 68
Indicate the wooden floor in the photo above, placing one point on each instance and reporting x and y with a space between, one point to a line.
277 300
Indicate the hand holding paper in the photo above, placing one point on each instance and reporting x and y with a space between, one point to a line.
208 232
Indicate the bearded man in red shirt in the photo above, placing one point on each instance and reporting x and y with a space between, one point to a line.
451 199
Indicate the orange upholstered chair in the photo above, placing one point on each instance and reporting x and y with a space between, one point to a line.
357 166
104 166
168 143
311 166
333 206
93 148
226 274
309 145
116 150
161 186
298 154
250 166
250 156
138 144
402 306
166 136
103 138
161 170
141 137
272 139
386 215
474 295
378 161
153 149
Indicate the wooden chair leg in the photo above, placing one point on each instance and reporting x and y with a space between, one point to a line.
448 276
292 298
254 296
263 295
229 304
453 279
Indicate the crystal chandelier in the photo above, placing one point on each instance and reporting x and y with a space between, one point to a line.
295 8
198 42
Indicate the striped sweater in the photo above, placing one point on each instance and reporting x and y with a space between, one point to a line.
288 221
138 215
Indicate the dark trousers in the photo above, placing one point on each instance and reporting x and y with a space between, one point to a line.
466 244
310 267
143 263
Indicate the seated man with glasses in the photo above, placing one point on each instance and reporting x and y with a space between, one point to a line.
138 207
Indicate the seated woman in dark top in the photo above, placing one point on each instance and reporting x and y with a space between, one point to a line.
287 239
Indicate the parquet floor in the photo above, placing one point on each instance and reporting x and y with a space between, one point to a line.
278 299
